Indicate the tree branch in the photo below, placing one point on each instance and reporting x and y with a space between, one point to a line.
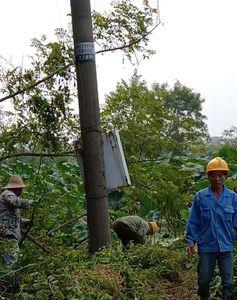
37 243
18 270
48 233
68 65
130 44
30 154
30 87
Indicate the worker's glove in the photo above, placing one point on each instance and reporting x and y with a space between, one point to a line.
25 223
30 224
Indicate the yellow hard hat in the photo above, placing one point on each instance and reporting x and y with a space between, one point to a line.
154 227
217 164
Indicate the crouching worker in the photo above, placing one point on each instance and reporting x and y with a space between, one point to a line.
10 220
133 229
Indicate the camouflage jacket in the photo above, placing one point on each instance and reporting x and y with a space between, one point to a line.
10 219
136 223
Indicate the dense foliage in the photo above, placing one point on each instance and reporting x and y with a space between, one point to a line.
156 121
163 133
42 115
143 272
55 263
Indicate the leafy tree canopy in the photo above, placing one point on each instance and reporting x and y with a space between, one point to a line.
230 136
126 24
156 121
43 93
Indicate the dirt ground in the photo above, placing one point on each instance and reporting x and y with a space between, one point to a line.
181 289
179 292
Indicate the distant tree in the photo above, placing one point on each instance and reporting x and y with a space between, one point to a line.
185 126
138 114
230 136
157 120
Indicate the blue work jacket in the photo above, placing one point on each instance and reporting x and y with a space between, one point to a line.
212 222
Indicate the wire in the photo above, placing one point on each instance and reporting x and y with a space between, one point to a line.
59 13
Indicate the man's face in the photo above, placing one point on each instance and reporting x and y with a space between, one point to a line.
216 179
17 191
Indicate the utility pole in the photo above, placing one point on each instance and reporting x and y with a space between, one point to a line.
91 137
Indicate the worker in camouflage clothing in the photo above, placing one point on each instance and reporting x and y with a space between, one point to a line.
11 221
133 229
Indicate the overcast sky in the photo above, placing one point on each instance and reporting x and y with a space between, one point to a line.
196 45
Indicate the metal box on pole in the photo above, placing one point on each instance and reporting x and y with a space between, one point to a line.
116 171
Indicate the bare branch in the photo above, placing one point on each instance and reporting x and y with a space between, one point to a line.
31 154
7 61
142 161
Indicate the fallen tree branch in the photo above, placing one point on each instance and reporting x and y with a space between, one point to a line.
37 243
48 233
40 245
81 243
17 270
29 154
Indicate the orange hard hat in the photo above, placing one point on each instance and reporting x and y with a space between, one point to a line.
154 227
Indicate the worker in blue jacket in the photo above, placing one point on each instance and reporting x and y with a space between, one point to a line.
212 226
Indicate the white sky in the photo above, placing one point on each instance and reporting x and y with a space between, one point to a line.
197 45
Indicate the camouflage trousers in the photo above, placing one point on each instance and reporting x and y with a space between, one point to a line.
9 252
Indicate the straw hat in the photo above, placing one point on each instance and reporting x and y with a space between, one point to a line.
15 182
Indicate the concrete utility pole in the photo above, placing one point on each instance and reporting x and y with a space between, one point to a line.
96 193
